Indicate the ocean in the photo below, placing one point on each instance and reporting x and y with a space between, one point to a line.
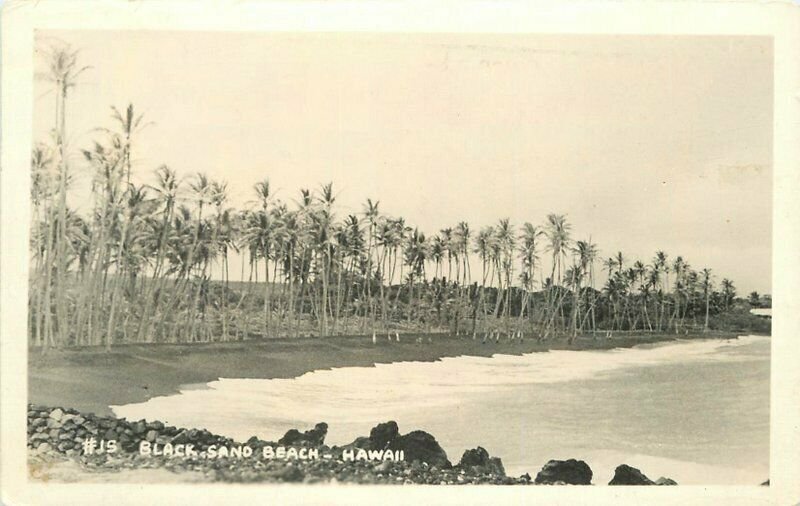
696 411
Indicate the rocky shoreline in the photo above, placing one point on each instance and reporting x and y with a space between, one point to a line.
384 457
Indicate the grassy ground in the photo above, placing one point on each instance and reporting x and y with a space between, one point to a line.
89 379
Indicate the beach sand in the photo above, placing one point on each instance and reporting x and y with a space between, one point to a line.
91 379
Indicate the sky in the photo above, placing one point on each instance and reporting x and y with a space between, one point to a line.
645 143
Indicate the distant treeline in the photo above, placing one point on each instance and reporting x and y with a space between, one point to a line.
137 266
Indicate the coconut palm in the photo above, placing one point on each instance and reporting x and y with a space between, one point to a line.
62 72
557 231
529 244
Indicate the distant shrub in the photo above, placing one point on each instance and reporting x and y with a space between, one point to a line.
739 320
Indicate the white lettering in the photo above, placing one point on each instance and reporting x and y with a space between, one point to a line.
144 448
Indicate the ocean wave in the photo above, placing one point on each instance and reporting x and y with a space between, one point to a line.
360 396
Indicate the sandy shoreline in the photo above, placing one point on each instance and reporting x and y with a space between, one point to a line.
90 379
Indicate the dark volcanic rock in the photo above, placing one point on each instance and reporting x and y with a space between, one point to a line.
419 445
666 481
627 475
380 437
59 433
383 434
291 437
570 472
478 461
313 437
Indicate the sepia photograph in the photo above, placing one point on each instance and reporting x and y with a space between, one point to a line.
354 257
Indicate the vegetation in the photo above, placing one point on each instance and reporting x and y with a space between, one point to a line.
138 266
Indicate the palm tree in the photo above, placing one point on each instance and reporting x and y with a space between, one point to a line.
42 192
587 254
507 244
129 123
728 293
574 276
679 268
660 266
484 243
325 240
371 214
103 277
416 254
529 243
135 199
62 72
557 231
707 287
166 189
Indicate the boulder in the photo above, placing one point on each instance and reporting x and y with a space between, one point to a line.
313 437
570 472
419 445
380 437
181 438
475 457
383 434
56 414
666 481
627 475
39 436
478 461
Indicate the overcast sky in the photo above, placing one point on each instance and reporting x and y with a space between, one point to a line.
645 143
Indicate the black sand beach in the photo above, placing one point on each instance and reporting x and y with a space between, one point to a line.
91 379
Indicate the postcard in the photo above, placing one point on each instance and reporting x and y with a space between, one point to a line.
339 252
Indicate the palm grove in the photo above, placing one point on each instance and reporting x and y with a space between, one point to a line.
137 266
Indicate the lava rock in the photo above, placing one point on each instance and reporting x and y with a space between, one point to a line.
569 472
666 481
383 434
181 438
419 445
313 437
627 475
478 461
